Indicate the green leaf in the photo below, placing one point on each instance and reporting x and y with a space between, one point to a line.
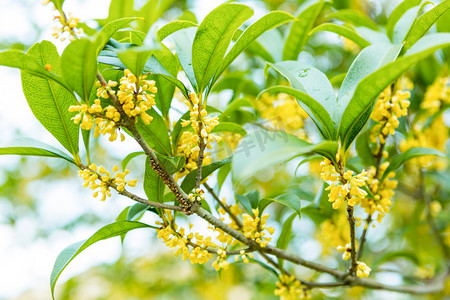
188 16
312 107
183 41
342 31
360 106
285 235
136 211
70 252
172 27
108 31
400 159
229 127
189 181
30 65
213 37
135 58
403 26
268 22
153 184
50 101
397 13
424 23
290 200
30 147
130 156
261 149
249 201
172 164
363 149
354 17
79 67
58 4
156 133
298 33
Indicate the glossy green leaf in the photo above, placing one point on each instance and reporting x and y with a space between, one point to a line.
249 201
290 200
109 30
172 27
49 101
188 16
183 40
403 26
156 133
135 58
70 252
30 147
354 17
367 91
314 109
229 127
172 164
129 157
213 37
189 181
285 235
268 22
136 211
424 23
79 67
298 33
154 186
397 13
261 149
342 31
400 159
363 149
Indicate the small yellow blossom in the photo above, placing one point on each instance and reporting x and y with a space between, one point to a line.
245 257
221 262
254 227
66 25
289 288
347 249
362 270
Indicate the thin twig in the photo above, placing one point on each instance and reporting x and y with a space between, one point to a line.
351 222
224 206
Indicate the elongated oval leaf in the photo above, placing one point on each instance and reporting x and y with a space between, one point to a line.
342 31
213 37
261 149
290 200
400 159
298 33
69 253
403 26
135 58
268 22
286 235
397 13
156 133
153 184
314 109
229 127
183 40
49 101
108 31
189 181
129 157
424 23
354 17
172 27
79 67
364 97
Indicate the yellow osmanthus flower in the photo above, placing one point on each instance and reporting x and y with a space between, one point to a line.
235 210
221 261
390 106
283 112
175 237
289 288
362 270
188 147
346 251
437 95
334 232
136 95
383 193
197 196
254 227
100 180
245 257
66 25
343 187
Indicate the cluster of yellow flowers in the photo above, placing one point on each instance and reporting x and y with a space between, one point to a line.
175 237
235 210
65 25
104 120
189 143
346 251
289 288
344 186
389 107
136 95
254 227
432 135
245 257
197 196
221 261
334 232
283 112
382 193
100 180
362 270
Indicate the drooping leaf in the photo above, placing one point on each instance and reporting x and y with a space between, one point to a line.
354 17
108 31
298 33
268 22
135 58
424 23
397 13
342 31
183 40
172 27
285 235
49 101
290 200
229 127
30 147
189 181
129 157
314 109
360 106
213 37
261 149
79 67
70 252
136 211
400 159
249 201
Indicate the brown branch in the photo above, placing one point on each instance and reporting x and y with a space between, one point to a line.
351 222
